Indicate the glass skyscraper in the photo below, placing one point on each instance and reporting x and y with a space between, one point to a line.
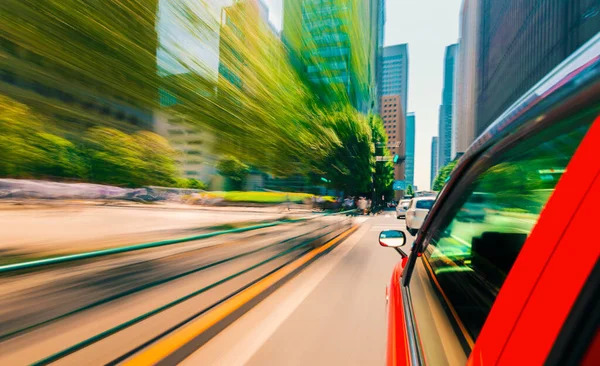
394 79
334 44
445 116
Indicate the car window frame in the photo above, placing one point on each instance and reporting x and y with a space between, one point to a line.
574 92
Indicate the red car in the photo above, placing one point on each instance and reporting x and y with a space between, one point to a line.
521 286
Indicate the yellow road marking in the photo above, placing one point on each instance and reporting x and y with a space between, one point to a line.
171 343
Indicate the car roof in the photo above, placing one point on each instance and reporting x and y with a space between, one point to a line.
424 198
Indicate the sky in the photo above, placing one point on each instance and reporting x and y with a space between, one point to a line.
428 26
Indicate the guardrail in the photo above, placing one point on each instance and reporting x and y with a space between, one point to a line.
131 248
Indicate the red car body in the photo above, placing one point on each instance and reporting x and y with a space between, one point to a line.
545 298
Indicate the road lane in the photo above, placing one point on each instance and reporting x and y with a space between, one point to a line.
331 313
95 280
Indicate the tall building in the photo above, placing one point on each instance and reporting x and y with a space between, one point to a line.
410 149
393 87
381 19
194 147
105 78
394 79
434 159
465 87
445 113
332 43
520 42
394 123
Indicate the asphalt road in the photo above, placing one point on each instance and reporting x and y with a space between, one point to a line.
332 313
66 303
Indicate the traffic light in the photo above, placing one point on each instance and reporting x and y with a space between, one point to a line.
396 158
325 180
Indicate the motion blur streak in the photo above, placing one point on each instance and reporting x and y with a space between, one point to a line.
85 82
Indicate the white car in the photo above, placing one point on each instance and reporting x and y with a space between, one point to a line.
417 211
401 209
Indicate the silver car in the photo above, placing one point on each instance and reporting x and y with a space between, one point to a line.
401 209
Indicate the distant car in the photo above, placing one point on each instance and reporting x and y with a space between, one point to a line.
417 211
401 209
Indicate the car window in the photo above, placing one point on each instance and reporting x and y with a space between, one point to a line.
470 255
425 204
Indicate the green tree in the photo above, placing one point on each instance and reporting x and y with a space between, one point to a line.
409 190
443 175
234 171
349 163
158 156
384 171
60 157
28 151
114 157
190 183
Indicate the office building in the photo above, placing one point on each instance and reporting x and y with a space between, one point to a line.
522 41
332 43
410 149
66 78
194 146
445 112
434 160
381 19
465 87
394 123
394 79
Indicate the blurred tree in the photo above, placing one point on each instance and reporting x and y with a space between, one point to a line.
159 166
59 158
350 163
443 175
196 184
135 160
409 190
27 151
190 183
114 157
384 171
235 171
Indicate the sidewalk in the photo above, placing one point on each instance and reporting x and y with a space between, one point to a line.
43 228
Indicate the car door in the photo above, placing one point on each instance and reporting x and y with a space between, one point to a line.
455 283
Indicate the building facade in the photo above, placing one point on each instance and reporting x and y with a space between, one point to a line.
194 146
333 43
410 149
394 78
465 87
395 128
445 113
434 160
67 79
381 19
520 42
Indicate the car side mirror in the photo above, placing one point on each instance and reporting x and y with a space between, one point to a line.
393 239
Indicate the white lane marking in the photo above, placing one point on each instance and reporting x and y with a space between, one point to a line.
256 328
